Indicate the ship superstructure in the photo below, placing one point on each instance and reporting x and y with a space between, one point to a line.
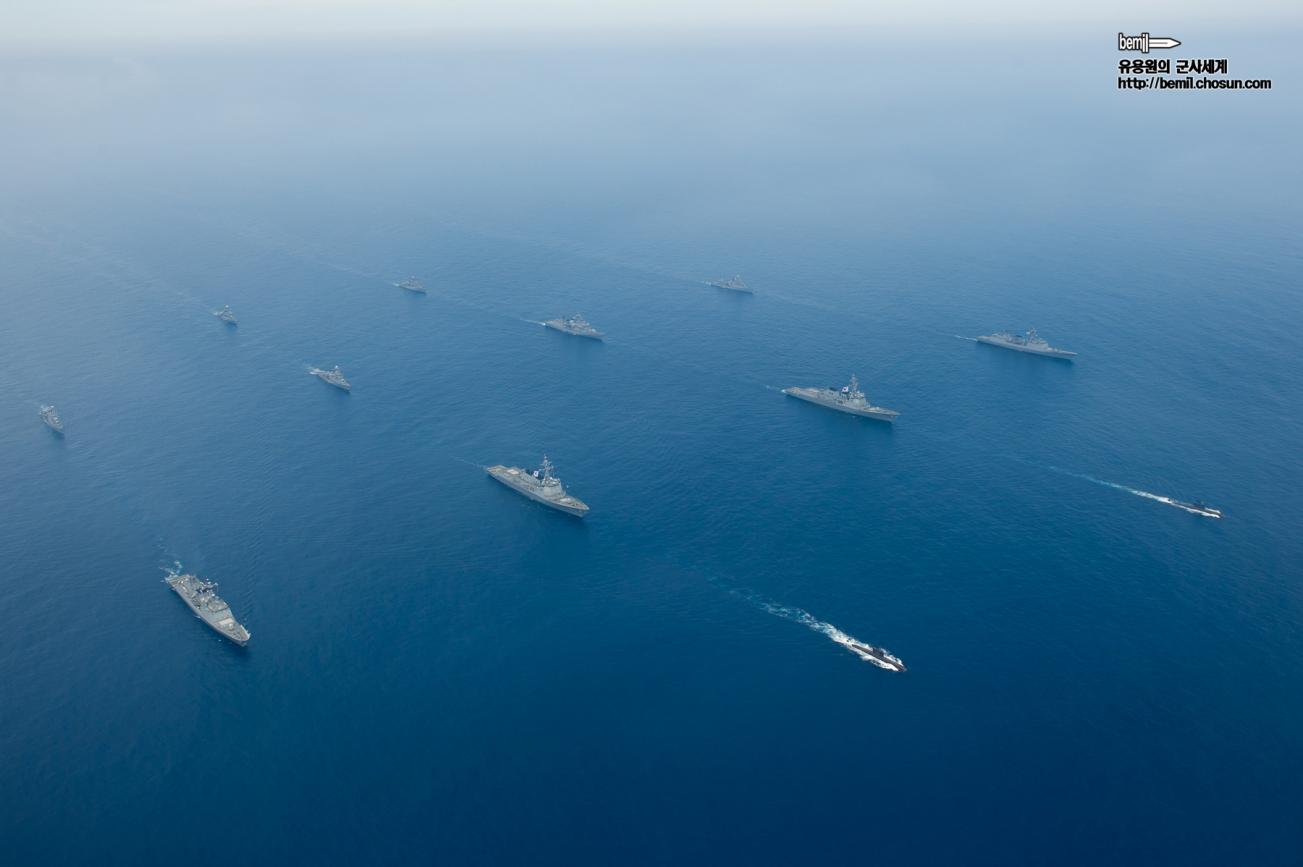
733 284
201 596
539 485
849 398
576 325
334 377
1031 342
226 315
50 416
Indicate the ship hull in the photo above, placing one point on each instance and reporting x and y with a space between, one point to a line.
344 388
503 475
1044 353
241 641
561 328
739 289
810 395
1195 509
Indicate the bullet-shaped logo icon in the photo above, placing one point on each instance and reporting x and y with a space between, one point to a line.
1144 42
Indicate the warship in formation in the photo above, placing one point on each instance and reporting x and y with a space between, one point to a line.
334 377
50 416
411 284
539 485
1030 342
576 325
226 315
875 655
203 600
848 398
733 284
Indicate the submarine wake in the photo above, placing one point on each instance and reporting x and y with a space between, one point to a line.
867 652
1195 508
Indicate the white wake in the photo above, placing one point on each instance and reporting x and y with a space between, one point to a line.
1149 495
867 652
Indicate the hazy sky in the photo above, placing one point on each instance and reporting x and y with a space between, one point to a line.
110 20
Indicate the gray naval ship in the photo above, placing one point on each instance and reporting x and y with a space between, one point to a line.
1029 342
576 325
848 398
411 284
733 284
334 377
226 315
50 416
203 600
539 485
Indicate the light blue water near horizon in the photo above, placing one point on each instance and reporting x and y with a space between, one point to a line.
443 671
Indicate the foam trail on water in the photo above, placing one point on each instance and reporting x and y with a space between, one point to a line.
962 337
866 652
1166 501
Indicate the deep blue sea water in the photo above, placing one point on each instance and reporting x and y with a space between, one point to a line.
441 671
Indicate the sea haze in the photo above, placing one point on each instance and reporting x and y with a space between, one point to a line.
443 671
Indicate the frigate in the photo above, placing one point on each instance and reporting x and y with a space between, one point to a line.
734 284
539 485
1030 342
334 377
576 325
50 416
226 315
203 600
848 398
411 284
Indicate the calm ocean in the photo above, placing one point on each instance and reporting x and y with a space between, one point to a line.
443 672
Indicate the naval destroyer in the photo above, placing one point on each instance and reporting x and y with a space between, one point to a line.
203 600
539 485
848 398
734 284
576 325
1030 342
226 315
51 418
411 284
334 377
